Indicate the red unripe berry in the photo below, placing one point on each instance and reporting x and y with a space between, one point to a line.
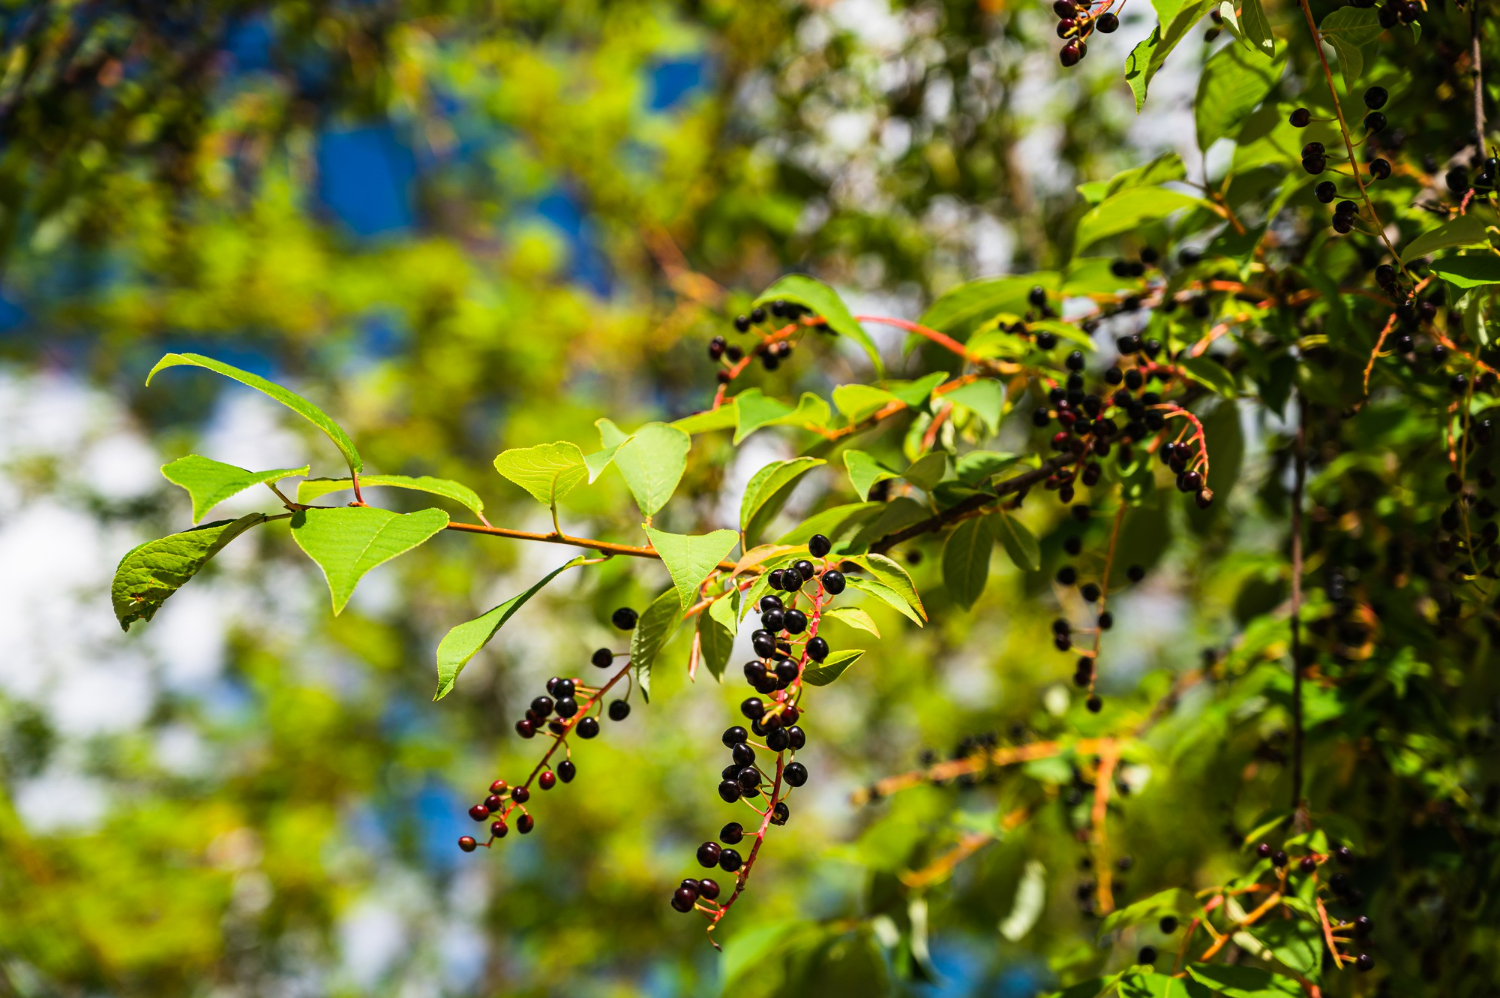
467 843
479 812
498 829
498 787
493 803
525 824
547 780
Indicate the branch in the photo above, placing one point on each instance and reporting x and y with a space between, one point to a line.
1338 111
1008 756
1297 486
558 537
972 504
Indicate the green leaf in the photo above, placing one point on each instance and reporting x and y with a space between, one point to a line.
689 557
1465 230
886 595
978 466
1128 210
547 471
1176 20
1243 982
1167 166
210 482
894 576
716 630
960 309
1174 901
854 617
966 560
823 301
311 489
610 435
464 641
598 462
290 399
1295 942
768 491
985 398
1019 542
722 418
152 571
858 401
651 633
900 512
926 471
832 522
346 543
1147 984
652 461
1469 271
832 667
754 411
1209 372
1234 81
865 471
1257 29
1350 30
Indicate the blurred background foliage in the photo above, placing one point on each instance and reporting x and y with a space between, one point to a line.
463 225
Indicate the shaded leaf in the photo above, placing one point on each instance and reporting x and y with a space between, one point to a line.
886 595
152 571
651 632
768 492
1465 230
1233 82
893 575
716 630
1469 271
966 560
1207 371
1176 19
927 470
1128 210
1257 29
960 310
1243 982
832 667
1019 542
1350 30
463 642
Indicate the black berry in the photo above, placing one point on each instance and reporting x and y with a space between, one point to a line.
624 618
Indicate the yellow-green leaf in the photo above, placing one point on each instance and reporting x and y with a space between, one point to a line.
209 482
346 543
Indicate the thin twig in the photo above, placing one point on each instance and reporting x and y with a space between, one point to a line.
1297 486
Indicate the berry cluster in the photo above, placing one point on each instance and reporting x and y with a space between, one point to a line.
569 706
1076 21
1315 157
776 343
1337 884
786 645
